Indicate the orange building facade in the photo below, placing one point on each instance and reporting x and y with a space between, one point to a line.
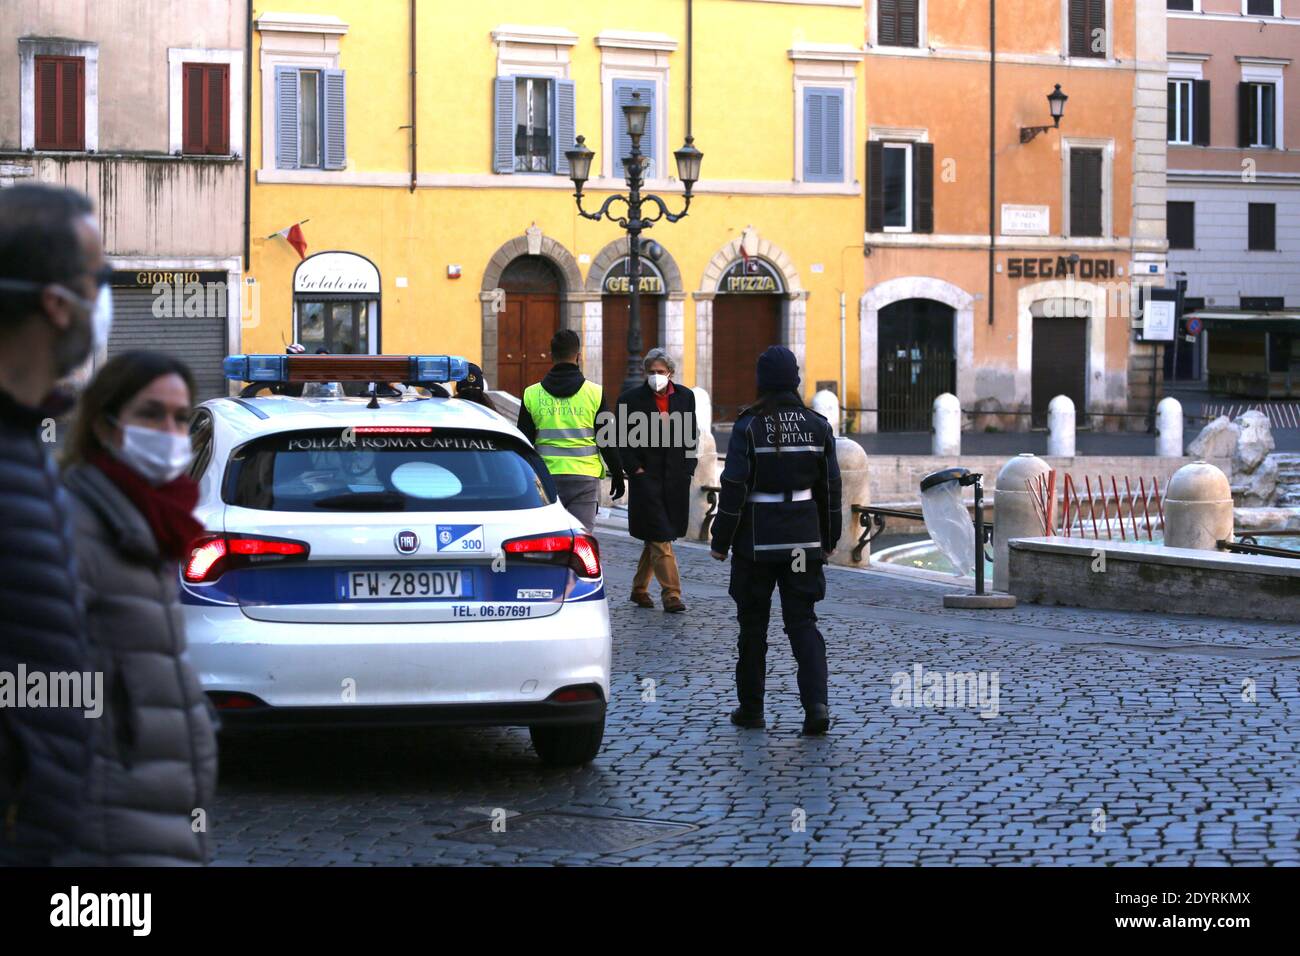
1001 262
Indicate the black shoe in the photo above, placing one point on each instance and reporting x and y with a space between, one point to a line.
816 720
750 720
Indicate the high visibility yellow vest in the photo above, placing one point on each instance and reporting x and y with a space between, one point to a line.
566 429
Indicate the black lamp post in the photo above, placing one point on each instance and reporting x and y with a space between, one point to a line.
634 221
1056 103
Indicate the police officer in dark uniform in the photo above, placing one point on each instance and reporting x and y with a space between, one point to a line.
779 514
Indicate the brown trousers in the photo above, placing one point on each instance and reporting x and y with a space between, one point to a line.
657 559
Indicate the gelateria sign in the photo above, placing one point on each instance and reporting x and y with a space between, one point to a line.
1060 267
618 282
750 277
336 273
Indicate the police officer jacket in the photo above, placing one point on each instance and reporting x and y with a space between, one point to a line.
781 483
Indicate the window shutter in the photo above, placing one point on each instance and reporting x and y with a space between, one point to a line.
1201 112
566 123
1097 21
334 120
72 109
192 126
1085 192
1180 218
923 187
217 133
286 117
623 90
1078 28
503 130
887 24
814 135
1245 116
908 22
875 187
833 136
47 104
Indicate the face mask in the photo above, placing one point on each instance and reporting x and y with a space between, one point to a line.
158 457
658 382
78 355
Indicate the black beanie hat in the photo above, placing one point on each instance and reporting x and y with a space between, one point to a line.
778 370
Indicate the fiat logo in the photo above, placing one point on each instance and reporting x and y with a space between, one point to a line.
407 542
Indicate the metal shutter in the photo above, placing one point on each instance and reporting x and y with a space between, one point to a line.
200 342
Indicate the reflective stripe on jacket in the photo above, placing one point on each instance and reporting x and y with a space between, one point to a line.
566 429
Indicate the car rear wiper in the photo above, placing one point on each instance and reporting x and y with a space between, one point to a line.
365 501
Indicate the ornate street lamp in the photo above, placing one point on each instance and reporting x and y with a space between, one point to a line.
1056 103
634 221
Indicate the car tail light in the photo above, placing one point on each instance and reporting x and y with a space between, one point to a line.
392 430
213 555
228 700
579 551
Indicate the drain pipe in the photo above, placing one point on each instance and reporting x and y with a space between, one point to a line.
413 85
690 62
248 132
993 152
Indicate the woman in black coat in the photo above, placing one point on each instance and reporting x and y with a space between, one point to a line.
658 440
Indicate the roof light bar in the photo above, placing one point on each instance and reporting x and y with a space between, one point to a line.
411 369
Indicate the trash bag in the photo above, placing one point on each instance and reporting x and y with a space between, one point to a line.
950 525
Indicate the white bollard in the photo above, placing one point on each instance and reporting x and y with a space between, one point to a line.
947 426
703 411
1169 428
1198 508
1060 427
1014 515
827 405
855 490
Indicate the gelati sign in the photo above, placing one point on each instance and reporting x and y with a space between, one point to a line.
1060 267
750 277
618 282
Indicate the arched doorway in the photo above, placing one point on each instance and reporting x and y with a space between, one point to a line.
533 287
916 362
747 318
616 318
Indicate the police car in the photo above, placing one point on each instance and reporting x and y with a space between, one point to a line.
388 560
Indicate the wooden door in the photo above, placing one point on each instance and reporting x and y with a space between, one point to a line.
743 327
616 315
1060 357
524 333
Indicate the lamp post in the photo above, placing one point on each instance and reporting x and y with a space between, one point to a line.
1056 103
634 220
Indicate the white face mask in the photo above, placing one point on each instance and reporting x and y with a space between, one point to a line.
158 457
101 325
658 382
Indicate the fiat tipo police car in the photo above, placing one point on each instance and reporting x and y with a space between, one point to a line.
388 560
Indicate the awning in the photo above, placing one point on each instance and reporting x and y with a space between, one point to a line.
1250 320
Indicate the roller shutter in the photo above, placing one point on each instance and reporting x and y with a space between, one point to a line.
199 341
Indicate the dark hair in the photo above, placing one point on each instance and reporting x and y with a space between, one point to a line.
565 345
476 395
38 241
122 378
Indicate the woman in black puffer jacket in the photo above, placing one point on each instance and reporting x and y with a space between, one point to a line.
155 765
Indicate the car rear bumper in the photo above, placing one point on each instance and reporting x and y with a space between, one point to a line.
541 713
480 672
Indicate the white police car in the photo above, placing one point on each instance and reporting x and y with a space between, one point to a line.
389 561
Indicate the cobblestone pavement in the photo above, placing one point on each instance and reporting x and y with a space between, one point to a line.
1178 735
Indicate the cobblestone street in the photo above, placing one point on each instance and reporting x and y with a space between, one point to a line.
1141 718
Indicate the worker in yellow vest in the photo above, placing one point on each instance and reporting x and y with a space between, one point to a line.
558 415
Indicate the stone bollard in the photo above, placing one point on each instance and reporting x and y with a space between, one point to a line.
1169 428
1060 427
825 404
946 426
855 490
1198 508
1013 510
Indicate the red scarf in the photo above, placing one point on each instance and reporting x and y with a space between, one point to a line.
167 509
662 399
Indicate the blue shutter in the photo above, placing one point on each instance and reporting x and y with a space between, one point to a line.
503 128
334 121
565 125
623 90
823 135
286 117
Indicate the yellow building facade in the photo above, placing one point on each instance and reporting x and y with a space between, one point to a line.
420 146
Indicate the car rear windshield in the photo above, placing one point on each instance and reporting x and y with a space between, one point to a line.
343 470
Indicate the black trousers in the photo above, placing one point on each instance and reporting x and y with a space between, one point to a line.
751 588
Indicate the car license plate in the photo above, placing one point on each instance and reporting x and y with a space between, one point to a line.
404 585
